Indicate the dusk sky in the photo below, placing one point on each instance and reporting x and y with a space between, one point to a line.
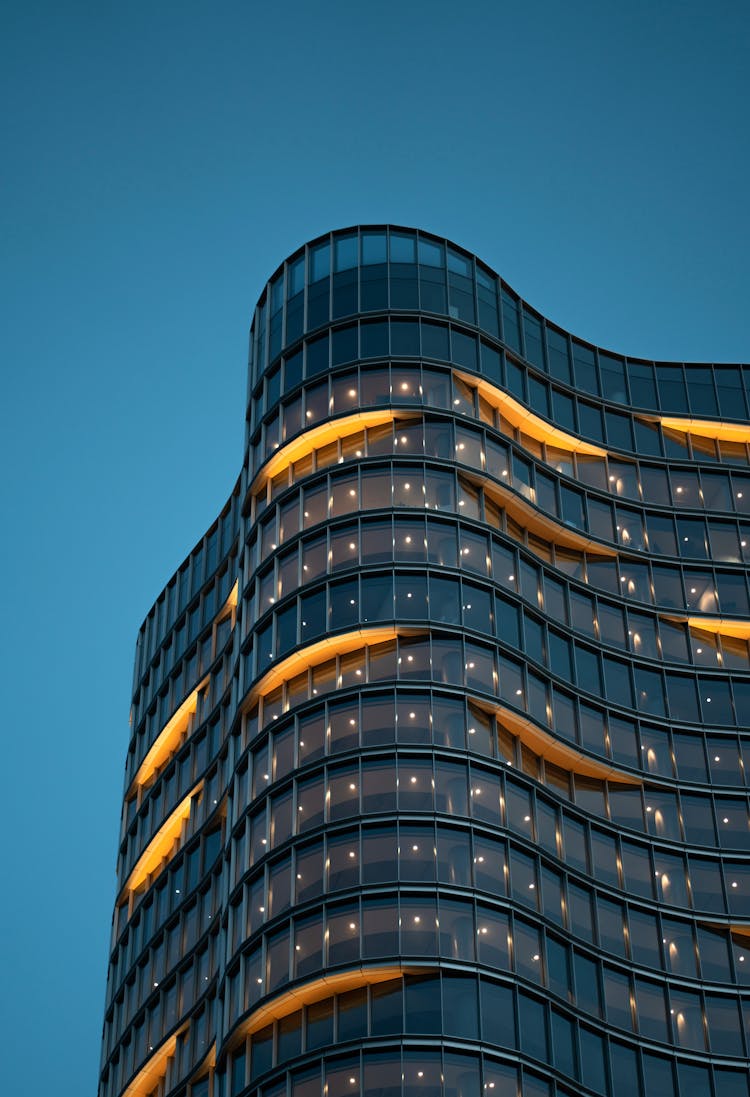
159 160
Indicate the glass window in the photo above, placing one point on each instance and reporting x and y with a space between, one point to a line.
564 1044
379 927
418 920
617 996
460 1007
672 389
611 926
559 358
343 792
614 386
642 385
533 1027
585 368
380 854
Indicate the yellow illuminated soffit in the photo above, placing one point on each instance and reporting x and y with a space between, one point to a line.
541 742
558 751
725 626
169 737
161 844
525 420
231 602
323 650
539 523
709 428
317 990
155 1068
322 435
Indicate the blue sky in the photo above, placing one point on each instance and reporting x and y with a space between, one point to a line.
158 162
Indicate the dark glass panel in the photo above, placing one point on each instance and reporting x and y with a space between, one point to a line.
614 385
532 1023
642 386
585 369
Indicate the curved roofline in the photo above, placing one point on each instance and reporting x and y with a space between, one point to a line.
390 226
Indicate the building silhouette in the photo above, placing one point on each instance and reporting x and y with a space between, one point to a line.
436 781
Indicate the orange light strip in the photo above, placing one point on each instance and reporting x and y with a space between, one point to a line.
519 416
558 751
321 651
316 991
155 1068
542 742
161 844
231 602
168 738
330 431
538 523
709 428
518 508
738 929
723 626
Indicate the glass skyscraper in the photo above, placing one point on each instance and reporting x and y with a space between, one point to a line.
436 782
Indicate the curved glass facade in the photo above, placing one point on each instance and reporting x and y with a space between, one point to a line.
436 782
